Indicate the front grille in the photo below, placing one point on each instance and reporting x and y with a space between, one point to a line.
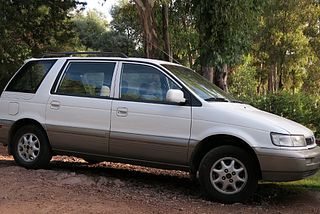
310 141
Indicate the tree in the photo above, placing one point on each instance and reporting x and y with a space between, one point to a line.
94 33
126 22
244 85
113 41
225 31
165 25
311 81
184 37
146 13
90 28
30 27
282 45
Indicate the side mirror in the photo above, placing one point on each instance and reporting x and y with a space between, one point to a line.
175 95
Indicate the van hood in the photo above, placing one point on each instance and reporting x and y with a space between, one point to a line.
251 117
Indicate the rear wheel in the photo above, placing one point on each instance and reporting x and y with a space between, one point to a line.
31 148
228 174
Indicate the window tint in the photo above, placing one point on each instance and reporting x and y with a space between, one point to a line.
30 76
87 78
141 82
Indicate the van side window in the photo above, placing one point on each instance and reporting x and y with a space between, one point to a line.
140 82
91 79
30 76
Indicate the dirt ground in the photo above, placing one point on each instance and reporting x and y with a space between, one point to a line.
71 185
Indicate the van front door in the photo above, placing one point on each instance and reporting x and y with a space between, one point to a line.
144 125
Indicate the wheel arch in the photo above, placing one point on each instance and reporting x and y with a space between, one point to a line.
18 125
214 141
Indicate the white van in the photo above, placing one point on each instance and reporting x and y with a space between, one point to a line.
151 113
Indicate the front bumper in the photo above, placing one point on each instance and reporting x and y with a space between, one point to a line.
288 165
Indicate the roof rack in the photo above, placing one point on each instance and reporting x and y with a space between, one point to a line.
69 54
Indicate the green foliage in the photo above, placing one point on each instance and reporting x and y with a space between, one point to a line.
114 41
311 183
225 29
301 107
311 81
286 30
94 33
271 189
30 27
287 39
184 37
126 22
89 28
243 83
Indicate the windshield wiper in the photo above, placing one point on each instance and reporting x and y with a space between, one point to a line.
237 101
219 99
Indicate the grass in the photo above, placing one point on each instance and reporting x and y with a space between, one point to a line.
273 192
311 183
288 188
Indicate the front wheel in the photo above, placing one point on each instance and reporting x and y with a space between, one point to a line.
228 174
31 148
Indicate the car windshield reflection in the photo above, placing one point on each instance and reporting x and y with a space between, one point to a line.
199 85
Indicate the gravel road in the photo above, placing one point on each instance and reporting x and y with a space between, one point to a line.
71 185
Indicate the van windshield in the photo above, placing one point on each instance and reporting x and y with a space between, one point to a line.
199 85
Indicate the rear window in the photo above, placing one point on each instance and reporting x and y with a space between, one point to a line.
30 76
87 78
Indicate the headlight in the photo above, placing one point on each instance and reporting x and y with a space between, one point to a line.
288 140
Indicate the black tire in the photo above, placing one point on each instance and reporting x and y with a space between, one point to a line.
228 174
30 148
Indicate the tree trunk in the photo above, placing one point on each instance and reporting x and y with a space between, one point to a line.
259 86
166 40
293 81
190 60
207 73
260 81
146 12
280 81
273 77
188 46
221 77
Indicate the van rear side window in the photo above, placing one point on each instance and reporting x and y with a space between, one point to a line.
30 76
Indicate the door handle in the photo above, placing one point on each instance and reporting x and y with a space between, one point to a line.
55 105
122 111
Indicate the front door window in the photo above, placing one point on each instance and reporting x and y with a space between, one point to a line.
139 82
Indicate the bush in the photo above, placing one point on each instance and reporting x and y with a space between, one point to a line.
300 107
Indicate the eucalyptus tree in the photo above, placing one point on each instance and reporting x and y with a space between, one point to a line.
146 12
311 82
139 21
165 28
184 37
285 40
225 34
